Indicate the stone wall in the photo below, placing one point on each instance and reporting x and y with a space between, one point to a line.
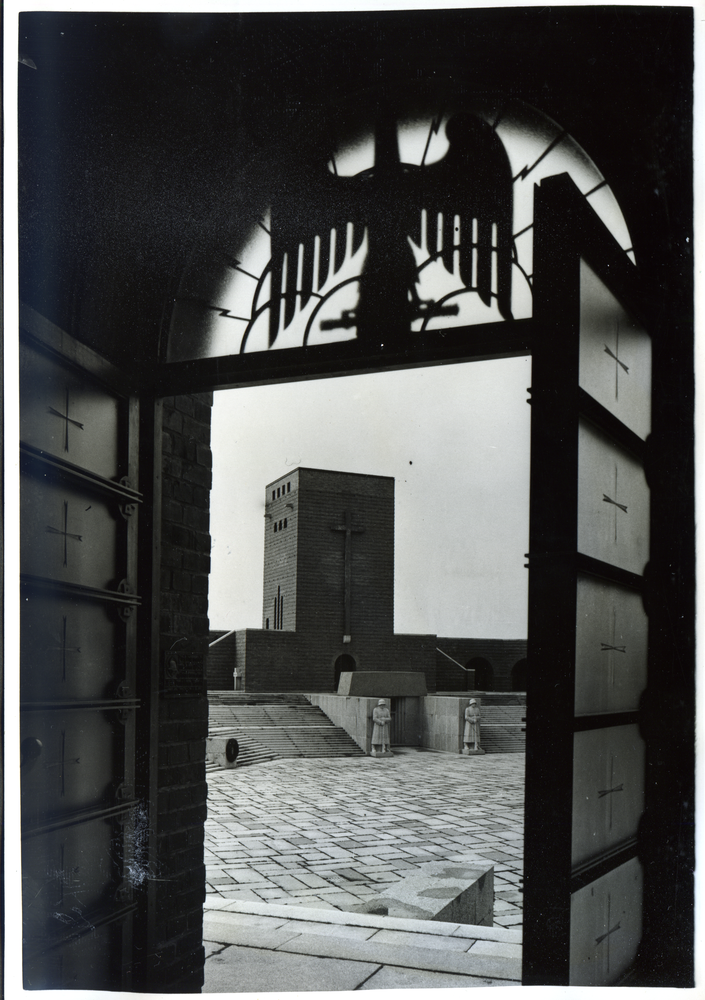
443 722
354 715
177 954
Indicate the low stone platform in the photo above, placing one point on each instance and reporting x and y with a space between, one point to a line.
439 890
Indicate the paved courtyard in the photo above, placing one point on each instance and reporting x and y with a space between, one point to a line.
329 833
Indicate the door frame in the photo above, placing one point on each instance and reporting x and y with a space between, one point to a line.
569 223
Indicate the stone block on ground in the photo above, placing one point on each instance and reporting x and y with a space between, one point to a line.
451 891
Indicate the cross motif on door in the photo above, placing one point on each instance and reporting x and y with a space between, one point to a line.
611 647
64 648
65 532
62 763
67 878
349 531
615 503
611 790
617 362
67 420
611 930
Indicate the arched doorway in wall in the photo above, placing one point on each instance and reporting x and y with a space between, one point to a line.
506 288
484 674
518 675
527 169
345 663
208 368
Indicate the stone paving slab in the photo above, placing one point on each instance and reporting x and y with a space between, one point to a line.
410 956
254 970
330 832
391 977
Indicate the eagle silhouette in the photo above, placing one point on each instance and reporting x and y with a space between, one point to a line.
473 182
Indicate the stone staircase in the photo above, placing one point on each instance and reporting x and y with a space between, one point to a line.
271 726
502 728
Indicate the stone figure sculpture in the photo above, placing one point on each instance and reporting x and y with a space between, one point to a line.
381 717
471 735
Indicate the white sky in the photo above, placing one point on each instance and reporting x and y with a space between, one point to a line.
456 440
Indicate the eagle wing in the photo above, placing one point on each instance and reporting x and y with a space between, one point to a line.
473 182
324 203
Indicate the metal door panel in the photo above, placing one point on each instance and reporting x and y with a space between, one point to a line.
69 535
613 502
587 632
615 355
78 723
608 790
605 926
94 961
80 645
73 765
610 647
66 416
69 876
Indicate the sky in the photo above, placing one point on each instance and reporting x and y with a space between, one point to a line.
456 440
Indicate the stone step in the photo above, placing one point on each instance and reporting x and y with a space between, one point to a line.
492 954
502 728
266 733
261 698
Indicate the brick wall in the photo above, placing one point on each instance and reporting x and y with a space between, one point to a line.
183 709
281 552
288 661
324 497
501 654
221 661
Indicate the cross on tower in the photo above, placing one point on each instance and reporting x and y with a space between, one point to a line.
349 531
67 420
64 649
65 532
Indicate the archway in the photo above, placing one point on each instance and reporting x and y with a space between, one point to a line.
518 675
530 173
484 674
344 664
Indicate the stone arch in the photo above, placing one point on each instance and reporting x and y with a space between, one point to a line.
518 675
484 674
344 664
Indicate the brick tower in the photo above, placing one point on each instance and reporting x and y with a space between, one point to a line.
329 557
328 597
